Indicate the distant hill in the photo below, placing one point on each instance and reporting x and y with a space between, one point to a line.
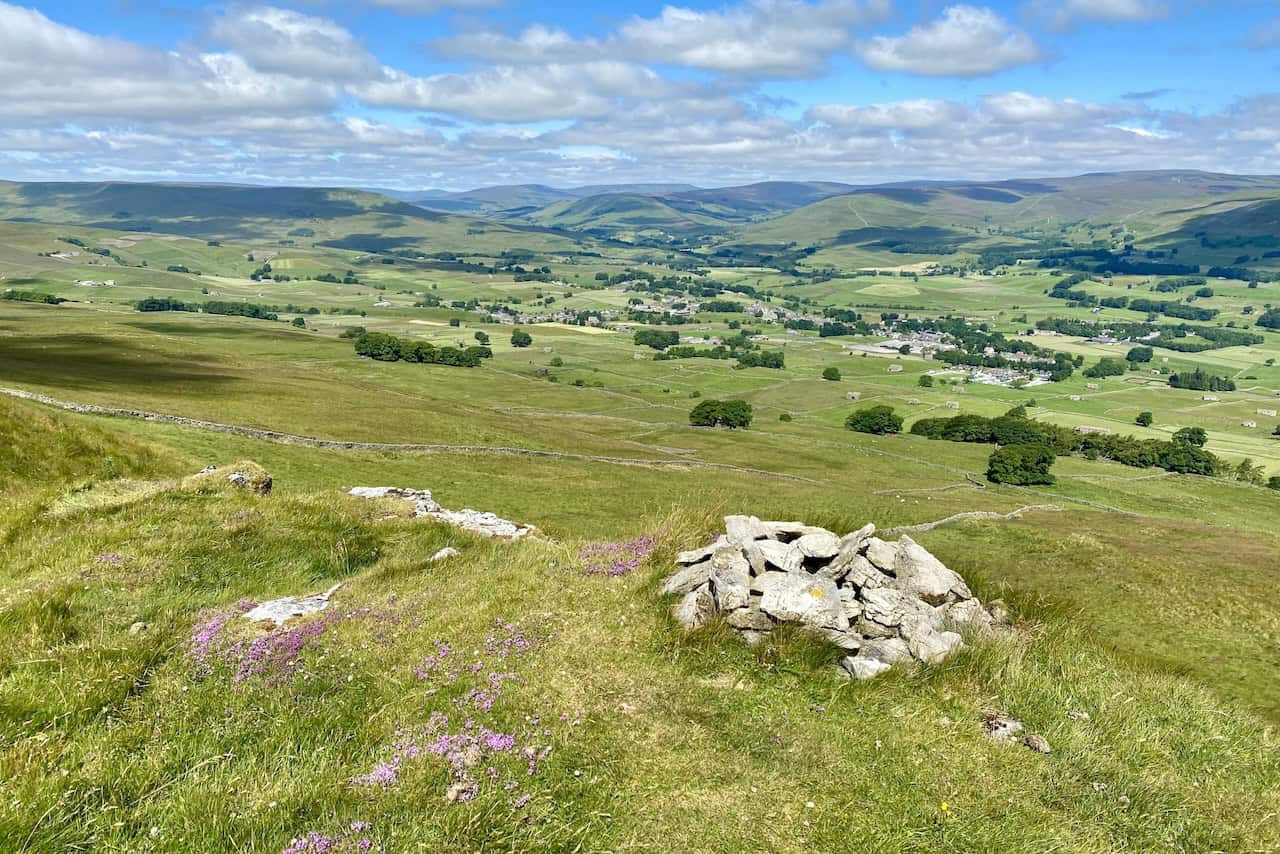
520 199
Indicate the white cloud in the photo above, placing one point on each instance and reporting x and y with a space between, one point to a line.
428 7
912 115
524 94
1065 15
786 38
966 41
287 42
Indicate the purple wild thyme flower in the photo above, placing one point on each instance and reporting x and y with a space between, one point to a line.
616 559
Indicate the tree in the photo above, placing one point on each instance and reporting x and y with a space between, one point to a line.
1106 368
1144 419
1273 482
520 338
455 322
300 322
483 339
1021 465
832 374
728 413
1140 354
1191 436
879 420
925 381
1249 472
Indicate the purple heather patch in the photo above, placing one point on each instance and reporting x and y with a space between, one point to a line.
470 746
341 843
615 559
207 631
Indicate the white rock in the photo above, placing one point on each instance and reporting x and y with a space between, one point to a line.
888 650
882 554
742 530
688 578
932 647
860 572
820 544
863 667
695 608
730 579
887 606
785 557
801 598
279 611
749 618
699 555
445 553
922 575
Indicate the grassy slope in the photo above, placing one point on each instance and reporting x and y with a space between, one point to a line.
658 740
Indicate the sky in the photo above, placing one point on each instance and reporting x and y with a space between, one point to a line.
454 94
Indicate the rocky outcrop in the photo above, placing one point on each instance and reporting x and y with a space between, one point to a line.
425 507
882 602
279 611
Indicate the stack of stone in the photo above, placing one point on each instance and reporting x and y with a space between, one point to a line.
425 507
881 602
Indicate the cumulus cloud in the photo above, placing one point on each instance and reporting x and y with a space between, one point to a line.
427 7
786 38
967 41
287 42
917 115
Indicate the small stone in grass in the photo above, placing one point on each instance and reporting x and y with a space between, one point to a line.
1038 743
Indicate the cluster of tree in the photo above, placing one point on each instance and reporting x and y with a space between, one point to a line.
1244 274
1182 311
241 309
349 279
520 338
1167 286
878 420
761 359
32 296
733 414
658 339
1270 318
1063 290
1185 453
722 306
1107 368
178 268
1198 380
1168 336
688 351
164 304
1022 465
389 348
833 328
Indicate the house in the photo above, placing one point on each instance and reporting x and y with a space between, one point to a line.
951 404
855 395
1249 424
1092 431
1093 386
1270 413
895 369
915 401
1210 397
1076 397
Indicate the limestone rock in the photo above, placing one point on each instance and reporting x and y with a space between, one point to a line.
932 647
444 554
785 557
688 578
861 667
730 579
742 530
921 574
280 611
1000 726
820 544
750 618
695 608
1038 743
883 555
811 601
888 650
860 572
849 641
699 555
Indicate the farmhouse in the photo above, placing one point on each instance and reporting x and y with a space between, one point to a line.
1270 413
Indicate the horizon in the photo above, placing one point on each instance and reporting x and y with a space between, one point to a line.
627 187
461 94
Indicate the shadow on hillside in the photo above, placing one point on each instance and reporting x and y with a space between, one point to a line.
93 361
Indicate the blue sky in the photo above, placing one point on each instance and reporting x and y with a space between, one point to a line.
411 94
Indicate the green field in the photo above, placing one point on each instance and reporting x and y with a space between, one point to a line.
1145 641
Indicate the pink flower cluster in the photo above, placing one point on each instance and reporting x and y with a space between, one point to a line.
615 559
208 629
468 745
352 841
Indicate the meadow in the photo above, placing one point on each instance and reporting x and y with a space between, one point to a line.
139 713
